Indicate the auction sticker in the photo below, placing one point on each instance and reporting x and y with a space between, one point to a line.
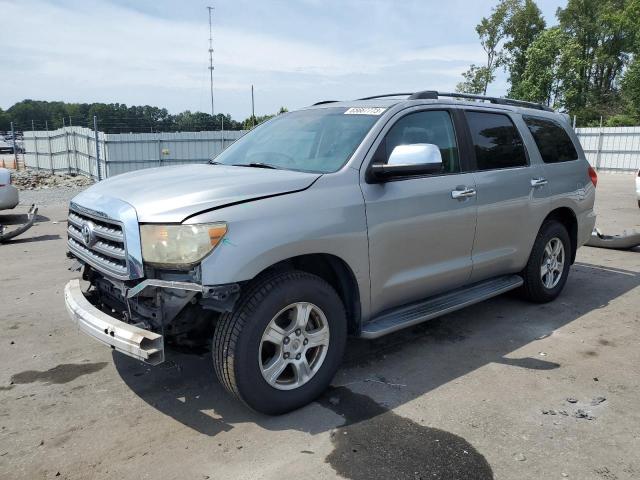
365 111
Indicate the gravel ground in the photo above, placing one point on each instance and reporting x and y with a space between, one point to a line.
501 390
49 196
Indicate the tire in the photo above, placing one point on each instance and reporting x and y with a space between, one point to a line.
534 288
239 347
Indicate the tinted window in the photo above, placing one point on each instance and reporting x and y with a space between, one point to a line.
552 140
433 127
496 140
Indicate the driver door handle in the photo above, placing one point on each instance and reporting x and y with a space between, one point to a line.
538 182
464 193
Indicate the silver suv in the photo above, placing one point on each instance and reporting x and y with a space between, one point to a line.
357 218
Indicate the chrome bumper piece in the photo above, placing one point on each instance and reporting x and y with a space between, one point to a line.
132 341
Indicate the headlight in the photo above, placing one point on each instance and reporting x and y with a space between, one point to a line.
179 245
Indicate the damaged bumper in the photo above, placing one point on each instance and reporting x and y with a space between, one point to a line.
31 218
132 341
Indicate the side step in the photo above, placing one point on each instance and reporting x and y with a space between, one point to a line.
409 315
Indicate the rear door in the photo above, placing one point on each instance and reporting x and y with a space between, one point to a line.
420 236
563 170
512 196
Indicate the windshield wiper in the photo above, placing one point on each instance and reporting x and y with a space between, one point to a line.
213 162
257 165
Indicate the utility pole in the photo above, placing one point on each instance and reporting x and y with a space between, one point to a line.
211 59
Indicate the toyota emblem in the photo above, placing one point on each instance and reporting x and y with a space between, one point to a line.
87 234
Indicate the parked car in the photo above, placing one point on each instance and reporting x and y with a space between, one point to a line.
357 218
6 147
8 193
9 199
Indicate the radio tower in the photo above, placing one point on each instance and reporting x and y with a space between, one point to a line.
211 58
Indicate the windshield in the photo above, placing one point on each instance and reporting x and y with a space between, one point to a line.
317 140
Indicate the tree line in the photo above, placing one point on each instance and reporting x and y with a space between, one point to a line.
117 118
587 65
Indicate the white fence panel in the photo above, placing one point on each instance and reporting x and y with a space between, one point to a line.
73 150
611 148
132 151
66 150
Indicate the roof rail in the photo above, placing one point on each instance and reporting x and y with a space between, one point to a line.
434 95
387 95
498 101
323 102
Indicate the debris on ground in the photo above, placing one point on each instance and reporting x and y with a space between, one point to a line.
36 180
598 401
572 400
583 414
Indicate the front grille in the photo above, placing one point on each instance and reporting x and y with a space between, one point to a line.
105 251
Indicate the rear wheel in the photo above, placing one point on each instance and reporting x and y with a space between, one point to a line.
284 342
548 267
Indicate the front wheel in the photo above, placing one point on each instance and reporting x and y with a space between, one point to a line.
282 345
548 267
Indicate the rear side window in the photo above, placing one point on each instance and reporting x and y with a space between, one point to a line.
496 141
552 140
433 126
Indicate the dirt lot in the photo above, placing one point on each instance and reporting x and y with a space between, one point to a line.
505 389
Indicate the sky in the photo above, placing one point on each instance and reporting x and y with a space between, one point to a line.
294 52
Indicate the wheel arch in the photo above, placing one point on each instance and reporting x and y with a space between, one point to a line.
336 272
567 217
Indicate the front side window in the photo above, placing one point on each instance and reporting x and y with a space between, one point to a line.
496 141
552 140
317 140
435 127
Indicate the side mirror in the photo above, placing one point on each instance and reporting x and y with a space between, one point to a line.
416 159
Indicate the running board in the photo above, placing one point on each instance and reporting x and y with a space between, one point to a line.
409 315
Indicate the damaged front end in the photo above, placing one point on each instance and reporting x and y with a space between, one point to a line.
131 307
138 317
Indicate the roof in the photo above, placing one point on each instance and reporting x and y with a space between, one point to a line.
433 97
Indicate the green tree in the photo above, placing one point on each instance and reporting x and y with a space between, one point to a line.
631 90
523 25
491 33
539 80
605 32
476 80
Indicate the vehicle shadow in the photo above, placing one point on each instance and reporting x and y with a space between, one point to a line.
414 362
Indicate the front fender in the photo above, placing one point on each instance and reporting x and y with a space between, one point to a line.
328 218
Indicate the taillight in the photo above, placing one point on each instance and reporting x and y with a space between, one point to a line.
593 176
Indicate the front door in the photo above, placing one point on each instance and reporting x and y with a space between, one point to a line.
420 236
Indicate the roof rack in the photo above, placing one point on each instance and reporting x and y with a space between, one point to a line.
433 95
323 102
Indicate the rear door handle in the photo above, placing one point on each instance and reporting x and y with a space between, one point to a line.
464 193
538 182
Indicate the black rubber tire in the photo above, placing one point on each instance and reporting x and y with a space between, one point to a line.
533 289
236 340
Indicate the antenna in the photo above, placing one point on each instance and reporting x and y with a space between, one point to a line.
211 58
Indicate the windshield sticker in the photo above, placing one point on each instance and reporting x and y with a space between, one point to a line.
365 111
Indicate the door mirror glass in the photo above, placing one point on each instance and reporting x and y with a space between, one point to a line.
416 154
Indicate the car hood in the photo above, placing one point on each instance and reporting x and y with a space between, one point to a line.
171 194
